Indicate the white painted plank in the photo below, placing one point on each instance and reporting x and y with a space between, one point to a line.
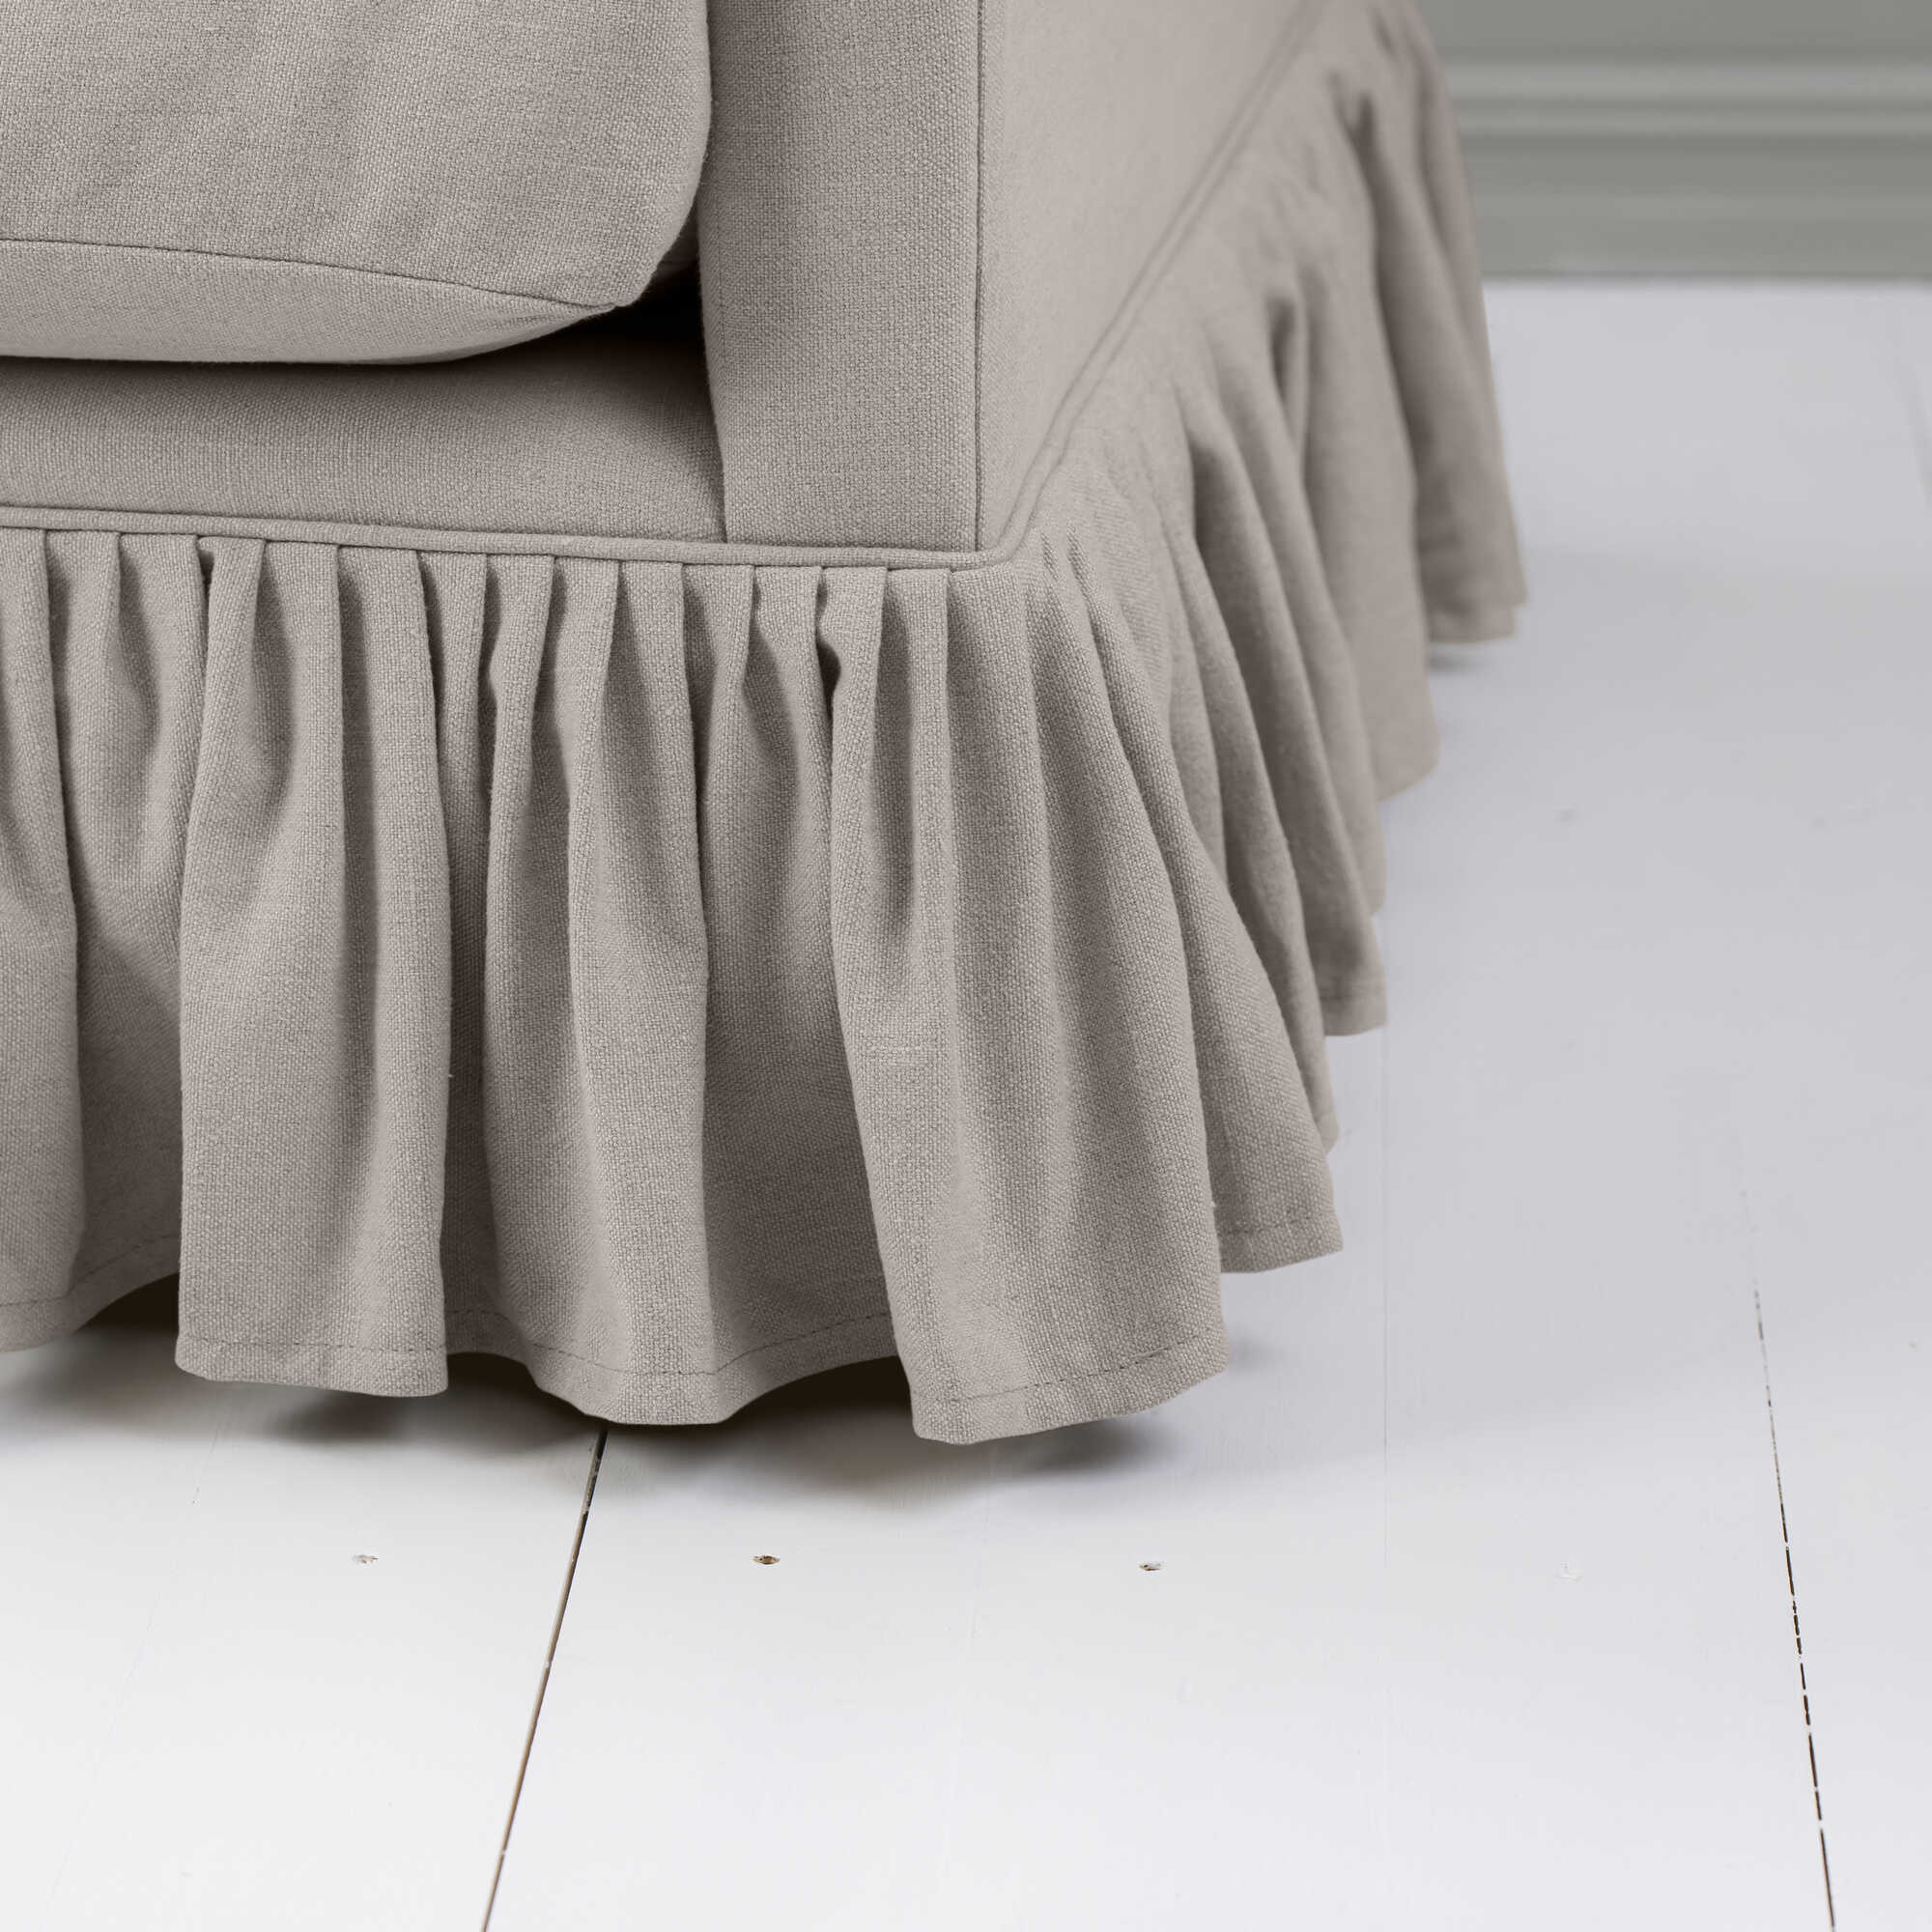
1624 965
213 1715
1831 1160
958 1700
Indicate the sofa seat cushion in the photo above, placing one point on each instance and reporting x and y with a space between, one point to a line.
589 434
352 181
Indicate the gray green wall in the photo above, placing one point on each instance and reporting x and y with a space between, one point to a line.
1725 136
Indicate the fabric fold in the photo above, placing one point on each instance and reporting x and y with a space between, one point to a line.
314 975
683 971
42 1183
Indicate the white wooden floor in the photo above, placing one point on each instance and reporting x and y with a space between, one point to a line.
1470 1597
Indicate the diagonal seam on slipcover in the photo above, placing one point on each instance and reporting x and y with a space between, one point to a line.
1227 149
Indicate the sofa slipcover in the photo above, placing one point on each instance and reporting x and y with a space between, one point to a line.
337 181
681 962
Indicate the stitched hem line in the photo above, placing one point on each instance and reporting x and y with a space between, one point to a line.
1074 1381
410 1358
629 1397
76 1289
1142 1382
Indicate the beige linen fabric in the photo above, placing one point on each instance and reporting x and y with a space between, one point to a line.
582 435
680 969
1100 119
342 181
917 222
922 218
838 234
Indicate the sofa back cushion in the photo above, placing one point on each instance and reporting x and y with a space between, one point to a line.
337 181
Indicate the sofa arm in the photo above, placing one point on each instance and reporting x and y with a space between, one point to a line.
920 218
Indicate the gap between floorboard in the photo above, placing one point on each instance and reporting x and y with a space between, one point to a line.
543 1681
1790 1573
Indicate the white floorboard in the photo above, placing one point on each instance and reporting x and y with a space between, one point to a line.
1827 1138
1621 941
1796 880
215 1718
1472 1607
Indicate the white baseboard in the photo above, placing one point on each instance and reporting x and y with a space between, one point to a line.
1785 169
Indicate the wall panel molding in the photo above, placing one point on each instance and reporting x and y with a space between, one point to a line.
1786 168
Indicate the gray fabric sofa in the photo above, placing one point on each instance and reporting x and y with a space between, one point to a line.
688 824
